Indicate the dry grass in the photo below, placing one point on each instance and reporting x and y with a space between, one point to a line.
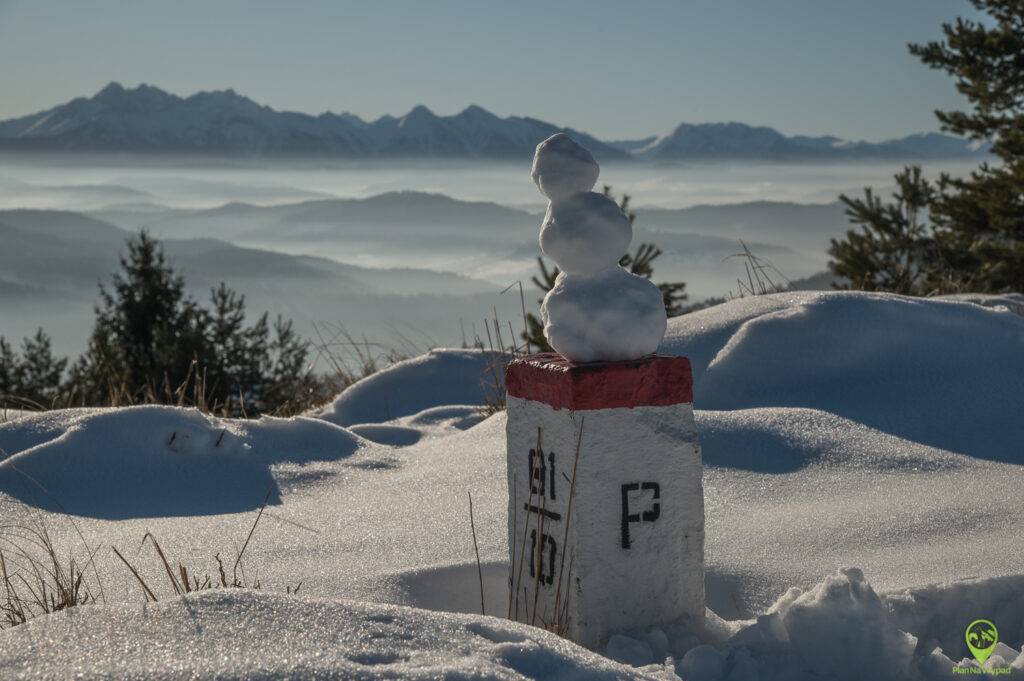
762 276
494 377
557 622
184 580
36 578
351 359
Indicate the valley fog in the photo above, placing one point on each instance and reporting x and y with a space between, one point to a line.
412 252
83 182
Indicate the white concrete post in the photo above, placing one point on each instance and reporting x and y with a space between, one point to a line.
611 538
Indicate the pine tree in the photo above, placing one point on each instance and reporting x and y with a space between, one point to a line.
237 355
8 370
975 238
894 250
153 343
32 378
40 373
147 332
980 219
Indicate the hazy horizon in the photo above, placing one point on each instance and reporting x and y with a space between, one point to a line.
185 200
215 180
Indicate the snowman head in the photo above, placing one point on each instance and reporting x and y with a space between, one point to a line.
561 167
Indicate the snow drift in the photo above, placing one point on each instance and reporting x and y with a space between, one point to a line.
156 461
440 377
943 373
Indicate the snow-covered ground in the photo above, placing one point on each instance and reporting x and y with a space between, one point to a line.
863 466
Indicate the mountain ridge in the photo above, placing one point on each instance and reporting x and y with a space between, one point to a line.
146 119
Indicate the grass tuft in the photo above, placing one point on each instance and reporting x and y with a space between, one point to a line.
35 578
184 580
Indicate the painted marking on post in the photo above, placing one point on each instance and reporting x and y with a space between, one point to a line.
542 484
648 516
539 473
545 540
530 508
537 477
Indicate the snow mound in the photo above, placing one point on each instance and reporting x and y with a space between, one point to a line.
440 377
612 315
394 436
456 416
840 629
783 440
938 613
942 373
254 635
152 461
1013 302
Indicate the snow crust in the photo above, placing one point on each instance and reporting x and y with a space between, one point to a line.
873 431
612 315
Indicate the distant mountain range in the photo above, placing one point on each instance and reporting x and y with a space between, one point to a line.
712 141
223 123
147 119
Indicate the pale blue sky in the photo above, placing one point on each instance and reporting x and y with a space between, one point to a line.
615 69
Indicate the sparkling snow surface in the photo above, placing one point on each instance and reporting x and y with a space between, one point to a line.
250 635
838 429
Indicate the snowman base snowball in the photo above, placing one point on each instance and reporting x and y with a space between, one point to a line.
609 316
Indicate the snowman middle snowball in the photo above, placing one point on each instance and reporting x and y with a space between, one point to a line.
597 311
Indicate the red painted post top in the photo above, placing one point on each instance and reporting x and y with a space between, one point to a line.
548 377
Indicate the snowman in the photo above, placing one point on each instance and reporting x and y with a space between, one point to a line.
596 311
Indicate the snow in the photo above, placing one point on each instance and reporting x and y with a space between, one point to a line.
1013 302
561 167
154 461
596 311
940 373
873 431
613 315
440 377
247 635
840 628
396 436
